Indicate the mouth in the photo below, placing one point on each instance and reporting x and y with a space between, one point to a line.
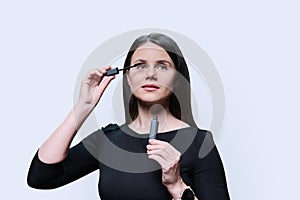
150 87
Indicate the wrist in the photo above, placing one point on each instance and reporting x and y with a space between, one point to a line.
177 189
82 109
80 112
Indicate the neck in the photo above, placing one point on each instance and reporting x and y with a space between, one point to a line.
146 112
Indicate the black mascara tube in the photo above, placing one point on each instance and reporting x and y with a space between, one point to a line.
153 128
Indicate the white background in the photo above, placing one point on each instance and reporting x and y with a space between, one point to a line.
254 45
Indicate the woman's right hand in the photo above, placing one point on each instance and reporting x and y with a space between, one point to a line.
92 87
55 148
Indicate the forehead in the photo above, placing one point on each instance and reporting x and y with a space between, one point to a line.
150 52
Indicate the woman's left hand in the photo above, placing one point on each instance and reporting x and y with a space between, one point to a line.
168 157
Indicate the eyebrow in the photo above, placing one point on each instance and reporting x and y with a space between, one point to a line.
139 60
158 61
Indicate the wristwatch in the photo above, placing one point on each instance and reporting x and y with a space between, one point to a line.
188 194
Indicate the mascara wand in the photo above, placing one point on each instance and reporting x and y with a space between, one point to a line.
116 70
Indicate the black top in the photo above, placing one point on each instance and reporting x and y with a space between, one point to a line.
125 170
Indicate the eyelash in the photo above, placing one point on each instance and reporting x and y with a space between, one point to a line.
158 66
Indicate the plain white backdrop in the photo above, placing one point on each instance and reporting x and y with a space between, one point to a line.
254 45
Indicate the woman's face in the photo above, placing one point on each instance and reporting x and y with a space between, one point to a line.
153 80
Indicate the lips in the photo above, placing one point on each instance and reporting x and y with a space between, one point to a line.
150 87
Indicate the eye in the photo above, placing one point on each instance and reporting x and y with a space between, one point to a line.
162 67
141 66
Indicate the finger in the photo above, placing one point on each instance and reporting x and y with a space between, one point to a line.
98 74
155 141
102 71
166 151
92 78
157 144
164 154
93 73
107 67
154 147
160 153
159 149
105 83
158 159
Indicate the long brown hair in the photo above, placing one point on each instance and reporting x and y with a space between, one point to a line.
180 99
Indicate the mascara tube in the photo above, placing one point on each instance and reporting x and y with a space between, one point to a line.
153 128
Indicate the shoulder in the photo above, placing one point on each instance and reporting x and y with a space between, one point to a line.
199 144
188 138
199 138
198 134
99 133
110 127
203 135
205 142
97 138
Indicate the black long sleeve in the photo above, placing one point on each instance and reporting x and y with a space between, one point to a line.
205 174
209 175
78 163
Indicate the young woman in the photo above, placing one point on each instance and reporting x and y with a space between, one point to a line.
131 165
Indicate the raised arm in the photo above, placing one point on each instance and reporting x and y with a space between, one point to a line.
55 148
56 164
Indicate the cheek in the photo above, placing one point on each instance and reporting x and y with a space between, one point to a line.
134 81
168 82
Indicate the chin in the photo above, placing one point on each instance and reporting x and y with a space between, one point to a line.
151 99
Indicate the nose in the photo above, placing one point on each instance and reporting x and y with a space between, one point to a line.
151 72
